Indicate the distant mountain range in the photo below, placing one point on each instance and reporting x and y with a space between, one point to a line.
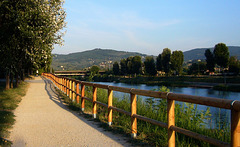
106 57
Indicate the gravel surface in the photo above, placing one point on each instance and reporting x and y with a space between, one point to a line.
42 120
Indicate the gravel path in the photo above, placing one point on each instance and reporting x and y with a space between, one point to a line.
42 120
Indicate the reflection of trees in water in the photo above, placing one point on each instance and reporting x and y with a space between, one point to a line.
211 92
224 94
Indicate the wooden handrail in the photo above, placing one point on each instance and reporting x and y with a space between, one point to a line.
65 85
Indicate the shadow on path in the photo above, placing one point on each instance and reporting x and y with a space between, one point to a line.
53 95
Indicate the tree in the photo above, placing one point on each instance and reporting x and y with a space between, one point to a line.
197 68
137 65
115 68
221 55
130 65
210 60
29 29
176 60
159 63
234 65
166 56
123 64
150 66
94 69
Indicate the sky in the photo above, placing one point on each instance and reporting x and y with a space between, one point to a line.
149 26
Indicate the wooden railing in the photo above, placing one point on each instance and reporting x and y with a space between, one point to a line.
71 88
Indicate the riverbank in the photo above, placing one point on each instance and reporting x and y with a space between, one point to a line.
213 82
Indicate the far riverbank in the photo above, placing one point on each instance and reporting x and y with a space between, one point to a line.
213 82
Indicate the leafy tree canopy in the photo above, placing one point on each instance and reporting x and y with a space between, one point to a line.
176 60
29 29
149 64
166 55
116 68
210 60
221 55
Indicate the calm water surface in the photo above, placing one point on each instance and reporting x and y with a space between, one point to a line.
219 116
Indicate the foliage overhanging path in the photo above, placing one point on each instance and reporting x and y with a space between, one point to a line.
42 120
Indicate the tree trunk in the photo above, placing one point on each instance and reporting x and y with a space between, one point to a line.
17 80
22 75
7 81
11 80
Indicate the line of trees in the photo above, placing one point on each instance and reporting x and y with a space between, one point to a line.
168 62
28 31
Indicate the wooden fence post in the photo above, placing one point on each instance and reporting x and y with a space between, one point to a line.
73 91
235 128
82 95
55 81
70 89
58 82
77 91
171 122
64 88
61 84
133 119
110 96
94 104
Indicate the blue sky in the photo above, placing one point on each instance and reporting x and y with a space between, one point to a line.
149 26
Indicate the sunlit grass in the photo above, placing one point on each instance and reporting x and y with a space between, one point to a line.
9 100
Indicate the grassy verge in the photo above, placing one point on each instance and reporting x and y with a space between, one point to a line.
187 117
9 100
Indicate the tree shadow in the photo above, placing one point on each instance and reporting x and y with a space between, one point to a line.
122 139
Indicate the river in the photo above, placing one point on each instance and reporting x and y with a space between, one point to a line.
219 117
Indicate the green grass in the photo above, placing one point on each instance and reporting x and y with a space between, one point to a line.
187 116
9 100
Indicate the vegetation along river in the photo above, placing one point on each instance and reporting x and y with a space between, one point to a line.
220 118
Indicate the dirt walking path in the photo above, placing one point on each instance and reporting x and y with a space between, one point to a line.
42 120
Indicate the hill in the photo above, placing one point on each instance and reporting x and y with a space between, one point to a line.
80 60
198 53
104 57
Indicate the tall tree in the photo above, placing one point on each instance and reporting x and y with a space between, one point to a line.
159 62
130 65
137 65
166 56
176 60
149 65
116 68
210 60
123 66
94 69
221 55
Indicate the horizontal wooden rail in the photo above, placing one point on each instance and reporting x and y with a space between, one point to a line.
87 99
102 104
153 121
200 137
207 101
120 110
71 88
